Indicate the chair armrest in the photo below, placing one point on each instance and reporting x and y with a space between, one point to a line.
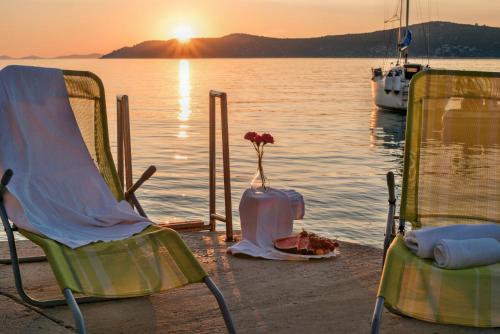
390 187
137 205
390 229
3 212
5 180
144 177
130 193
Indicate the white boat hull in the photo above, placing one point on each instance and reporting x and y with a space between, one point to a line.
390 99
390 88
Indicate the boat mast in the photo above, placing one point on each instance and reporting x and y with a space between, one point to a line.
407 23
399 30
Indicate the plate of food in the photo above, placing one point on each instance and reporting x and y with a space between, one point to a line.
308 245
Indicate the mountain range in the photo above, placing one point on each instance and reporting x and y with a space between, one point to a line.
74 56
434 39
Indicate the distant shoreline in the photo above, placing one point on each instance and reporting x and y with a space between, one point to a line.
419 59
410 59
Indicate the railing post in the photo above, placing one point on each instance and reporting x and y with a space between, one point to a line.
124 147
124 153
228 218
119 140
127 146
228 208
211 162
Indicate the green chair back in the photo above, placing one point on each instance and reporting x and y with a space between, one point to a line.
452 152
87 99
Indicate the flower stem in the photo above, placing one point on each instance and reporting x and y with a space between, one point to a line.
261 171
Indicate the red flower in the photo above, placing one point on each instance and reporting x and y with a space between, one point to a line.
267 138
257 139
250 136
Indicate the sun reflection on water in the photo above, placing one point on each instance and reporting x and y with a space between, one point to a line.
184 91
180 157
182 134
184 104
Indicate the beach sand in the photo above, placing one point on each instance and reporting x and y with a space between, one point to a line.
322 296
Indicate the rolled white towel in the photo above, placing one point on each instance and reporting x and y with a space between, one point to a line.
458 254
422 242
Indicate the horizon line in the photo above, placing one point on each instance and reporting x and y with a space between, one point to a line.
99 55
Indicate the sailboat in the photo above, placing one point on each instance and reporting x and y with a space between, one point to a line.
390 88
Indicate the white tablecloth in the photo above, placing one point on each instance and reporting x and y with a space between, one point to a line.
266 217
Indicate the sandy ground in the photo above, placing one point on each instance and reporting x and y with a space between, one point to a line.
323 296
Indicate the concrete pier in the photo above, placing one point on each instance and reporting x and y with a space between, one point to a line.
321 296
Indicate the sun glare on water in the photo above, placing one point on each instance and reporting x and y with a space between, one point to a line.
183 33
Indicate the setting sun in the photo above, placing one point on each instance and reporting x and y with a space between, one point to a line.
183 33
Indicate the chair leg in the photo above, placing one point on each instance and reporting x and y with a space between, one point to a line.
77 314
377 315
222 304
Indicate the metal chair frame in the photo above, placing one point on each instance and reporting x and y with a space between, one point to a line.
390 234
124 150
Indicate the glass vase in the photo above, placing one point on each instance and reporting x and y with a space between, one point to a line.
260 183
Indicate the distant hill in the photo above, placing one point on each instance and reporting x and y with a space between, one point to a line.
75 56
78 56
445 39
31 57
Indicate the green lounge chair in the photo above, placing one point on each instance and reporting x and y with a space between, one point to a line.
154 260
451 175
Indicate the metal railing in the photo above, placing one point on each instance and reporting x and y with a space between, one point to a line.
214 216
124 165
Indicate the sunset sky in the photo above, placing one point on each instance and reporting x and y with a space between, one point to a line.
61 27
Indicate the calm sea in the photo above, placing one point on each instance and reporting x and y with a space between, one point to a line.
332 145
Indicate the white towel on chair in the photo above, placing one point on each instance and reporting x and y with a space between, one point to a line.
56 190
458 254
422 242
